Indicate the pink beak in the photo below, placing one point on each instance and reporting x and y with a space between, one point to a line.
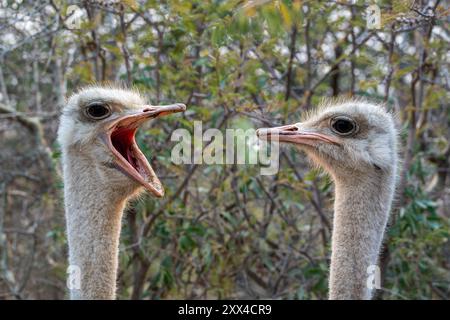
119 136
293 134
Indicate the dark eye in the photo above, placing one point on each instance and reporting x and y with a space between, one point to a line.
343 126
98 111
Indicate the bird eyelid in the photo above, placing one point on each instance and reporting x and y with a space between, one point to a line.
346 120
98 110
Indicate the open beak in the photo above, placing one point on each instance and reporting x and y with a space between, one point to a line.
294 134
120 138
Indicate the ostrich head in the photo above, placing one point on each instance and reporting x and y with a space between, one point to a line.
344 138
98 125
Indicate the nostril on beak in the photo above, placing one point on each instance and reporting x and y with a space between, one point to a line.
147 110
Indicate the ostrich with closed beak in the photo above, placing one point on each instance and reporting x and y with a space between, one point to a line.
356 143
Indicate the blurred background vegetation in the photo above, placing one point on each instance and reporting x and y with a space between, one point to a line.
225 231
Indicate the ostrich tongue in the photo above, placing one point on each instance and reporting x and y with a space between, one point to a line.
129 159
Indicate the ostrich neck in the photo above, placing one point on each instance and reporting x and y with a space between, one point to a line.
361 211
93 215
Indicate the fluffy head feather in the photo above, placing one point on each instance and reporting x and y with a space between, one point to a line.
372 146
75 129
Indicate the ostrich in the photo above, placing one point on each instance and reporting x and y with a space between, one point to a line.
103 168
356 143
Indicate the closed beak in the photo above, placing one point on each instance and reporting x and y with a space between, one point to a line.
294 134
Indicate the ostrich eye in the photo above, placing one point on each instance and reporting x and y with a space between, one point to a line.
343 126
98 111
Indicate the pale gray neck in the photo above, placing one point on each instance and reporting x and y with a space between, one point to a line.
361 211
93 215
